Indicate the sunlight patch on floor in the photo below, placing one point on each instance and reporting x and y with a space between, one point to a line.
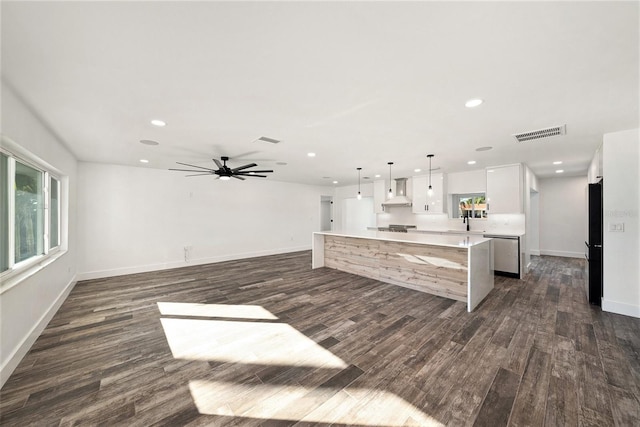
362 406
245 342
215 310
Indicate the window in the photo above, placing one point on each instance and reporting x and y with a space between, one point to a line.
29 212
4 212
54 213
472 205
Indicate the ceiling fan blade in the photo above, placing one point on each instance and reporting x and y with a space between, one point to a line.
259 171
250 165
248 153
217 162
237 177
194 166
191 170
259 176
199 174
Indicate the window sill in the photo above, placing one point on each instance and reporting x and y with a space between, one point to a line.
13 278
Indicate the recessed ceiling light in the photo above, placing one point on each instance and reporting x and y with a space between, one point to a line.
559 162
487 148
559 171
473 103
311 154
149 142
417 170
144 161
159 123
335 182
471 162
377 176
326 177
491 170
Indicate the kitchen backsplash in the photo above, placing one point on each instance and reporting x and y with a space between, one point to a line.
496 223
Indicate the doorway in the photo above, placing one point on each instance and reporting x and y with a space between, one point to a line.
326 213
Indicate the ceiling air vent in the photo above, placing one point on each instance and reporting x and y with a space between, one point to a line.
542 133
266 139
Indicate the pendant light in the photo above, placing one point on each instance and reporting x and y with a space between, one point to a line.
359 195
390 190
430 190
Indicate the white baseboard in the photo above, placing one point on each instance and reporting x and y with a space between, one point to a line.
535 252
21 350
565 254
176 264
620 308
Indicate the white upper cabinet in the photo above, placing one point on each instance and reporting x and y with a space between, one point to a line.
379 195
422 202
504 189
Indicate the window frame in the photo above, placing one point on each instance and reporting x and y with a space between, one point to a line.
455 205
59 222
16 271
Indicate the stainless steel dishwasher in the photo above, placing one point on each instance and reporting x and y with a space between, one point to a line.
506 255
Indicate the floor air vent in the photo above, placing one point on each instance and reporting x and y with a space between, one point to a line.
542 133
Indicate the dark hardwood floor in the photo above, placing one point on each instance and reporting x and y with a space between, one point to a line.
268 341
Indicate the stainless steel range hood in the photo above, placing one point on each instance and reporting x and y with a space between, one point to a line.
400 198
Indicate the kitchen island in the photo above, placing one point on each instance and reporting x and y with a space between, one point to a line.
456 267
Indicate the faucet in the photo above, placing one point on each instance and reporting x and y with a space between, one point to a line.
466 220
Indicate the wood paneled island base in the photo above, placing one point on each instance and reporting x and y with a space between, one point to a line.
456 267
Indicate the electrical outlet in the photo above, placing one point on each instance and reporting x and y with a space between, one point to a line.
617 227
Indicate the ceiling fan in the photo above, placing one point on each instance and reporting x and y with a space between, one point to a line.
224 172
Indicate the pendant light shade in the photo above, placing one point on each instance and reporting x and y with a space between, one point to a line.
359 194
390 190
430 190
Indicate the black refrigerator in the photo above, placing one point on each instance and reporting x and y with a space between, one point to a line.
593 254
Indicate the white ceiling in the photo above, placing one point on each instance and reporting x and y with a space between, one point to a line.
358 83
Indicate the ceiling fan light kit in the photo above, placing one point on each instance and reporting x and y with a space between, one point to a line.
224 172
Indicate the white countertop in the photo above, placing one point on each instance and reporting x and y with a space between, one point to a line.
448 240
480 233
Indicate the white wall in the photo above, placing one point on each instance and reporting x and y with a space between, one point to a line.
621 166
563 215
532 240
27 307
134 219
533 222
